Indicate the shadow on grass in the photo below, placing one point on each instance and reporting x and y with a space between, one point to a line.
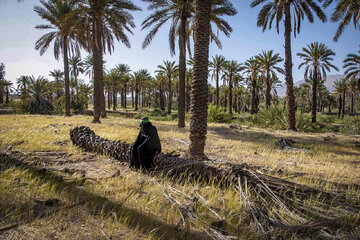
73 191
270 139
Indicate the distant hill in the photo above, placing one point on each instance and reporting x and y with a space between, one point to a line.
329 83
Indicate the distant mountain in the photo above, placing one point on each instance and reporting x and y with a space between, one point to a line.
329 83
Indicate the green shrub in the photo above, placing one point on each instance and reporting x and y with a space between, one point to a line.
272 117
218 114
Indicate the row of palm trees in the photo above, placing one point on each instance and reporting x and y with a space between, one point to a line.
93 24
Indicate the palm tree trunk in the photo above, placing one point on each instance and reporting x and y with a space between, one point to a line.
217 88
98 72
136 96
114 100
67 77
161 93
352 104
343 102
170 94
198 106
253 96
290 98
7 94
125 100
230 94
187 95
314 95
132 97
339 105
182 69
268 90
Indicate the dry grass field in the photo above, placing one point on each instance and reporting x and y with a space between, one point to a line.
51 189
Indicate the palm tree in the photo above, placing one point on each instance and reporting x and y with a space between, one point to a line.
345 11
76 67
139 77
268 61
352 66
231 68
88 66
317 57
169 69
23 84
181 14
282 9
216 66
2 82
252 68
62 16
340 91
123 71
198 104
57 74
103 20
352 85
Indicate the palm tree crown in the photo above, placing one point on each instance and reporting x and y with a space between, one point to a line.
345 10
352 66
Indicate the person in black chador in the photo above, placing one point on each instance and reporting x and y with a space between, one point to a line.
146 145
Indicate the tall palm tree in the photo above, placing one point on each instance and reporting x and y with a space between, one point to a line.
57 74
169 69
181 14
316 59
345 10
340 91
23 85
76 67
102 20
268 61
123 70
252 69
352 85
352 66
282 9
139 77
198 104
231 68
216 66
61 15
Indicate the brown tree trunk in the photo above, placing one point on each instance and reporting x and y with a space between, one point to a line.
253 96
132 97
352 104
67 77
162 97
217 88
1 94
125 96
136 96
182 70
99 100
290 98
314 95
114 100
7 95
343 102
170 94
187 95
230 94
339 106
268 89
198 106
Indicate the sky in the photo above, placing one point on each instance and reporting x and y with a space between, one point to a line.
18 37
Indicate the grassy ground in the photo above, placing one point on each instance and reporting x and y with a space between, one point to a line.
100 198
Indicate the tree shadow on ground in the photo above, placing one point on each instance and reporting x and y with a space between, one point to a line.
270 139
73 191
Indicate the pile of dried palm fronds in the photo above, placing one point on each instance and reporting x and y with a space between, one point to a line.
278 207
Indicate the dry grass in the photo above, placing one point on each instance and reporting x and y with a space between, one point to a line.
132 205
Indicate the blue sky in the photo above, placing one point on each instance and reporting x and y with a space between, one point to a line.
18 37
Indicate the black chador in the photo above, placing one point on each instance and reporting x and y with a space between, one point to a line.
146 145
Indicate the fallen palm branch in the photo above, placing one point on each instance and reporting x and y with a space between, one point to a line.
289 206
